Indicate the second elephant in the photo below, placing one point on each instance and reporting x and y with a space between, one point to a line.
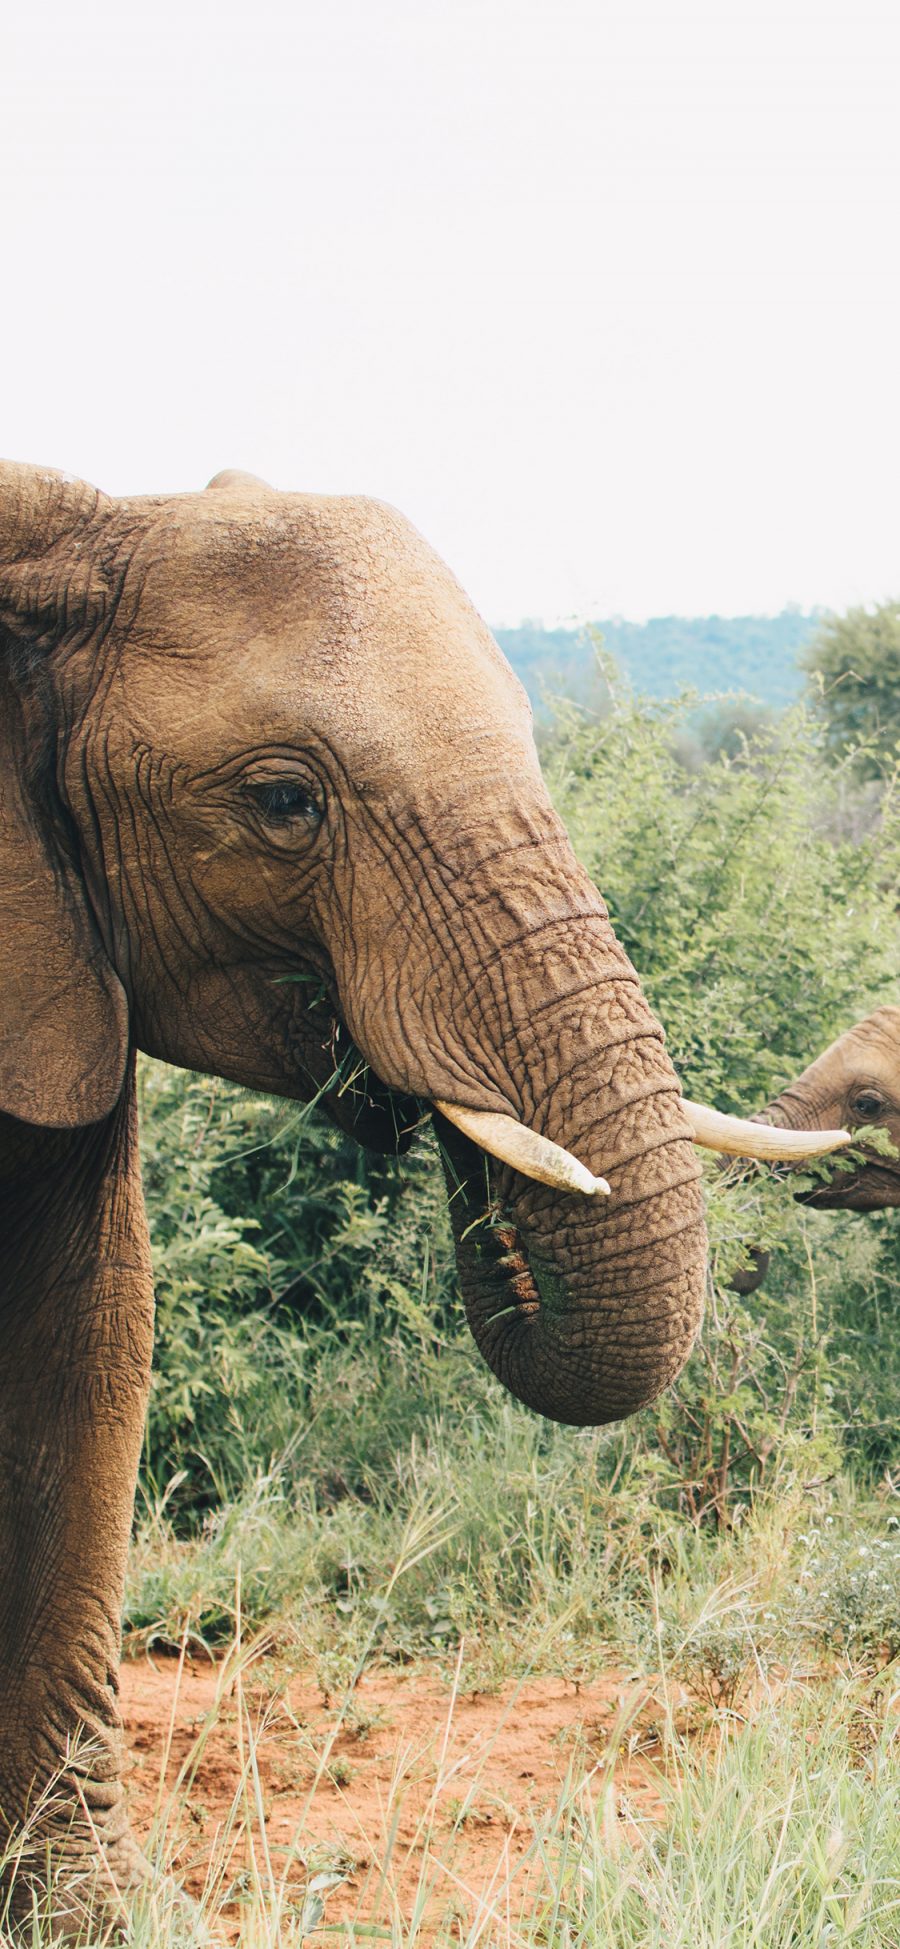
856 1082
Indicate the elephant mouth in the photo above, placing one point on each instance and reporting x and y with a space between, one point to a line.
490 1244
386 1118
870 1188
353 1096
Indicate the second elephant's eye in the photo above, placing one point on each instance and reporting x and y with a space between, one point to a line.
286 803
868 1105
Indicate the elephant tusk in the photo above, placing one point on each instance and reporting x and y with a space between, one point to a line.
536 1157
740 1138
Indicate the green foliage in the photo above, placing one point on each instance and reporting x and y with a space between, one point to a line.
722 729
853 664
267 1223
759 930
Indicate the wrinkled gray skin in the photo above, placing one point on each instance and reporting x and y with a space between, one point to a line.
855 1082
248 736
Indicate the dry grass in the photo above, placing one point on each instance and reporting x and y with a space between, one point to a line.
768 1822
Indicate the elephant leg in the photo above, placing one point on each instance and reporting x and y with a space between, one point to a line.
75 1346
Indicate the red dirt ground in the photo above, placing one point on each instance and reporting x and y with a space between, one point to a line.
413 1793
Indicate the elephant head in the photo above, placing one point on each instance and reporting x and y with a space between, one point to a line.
855 1082
274 811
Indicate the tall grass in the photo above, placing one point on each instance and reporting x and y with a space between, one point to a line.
774 1829
547 1537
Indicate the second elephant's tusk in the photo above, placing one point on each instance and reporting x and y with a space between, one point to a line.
738 1137
536 1157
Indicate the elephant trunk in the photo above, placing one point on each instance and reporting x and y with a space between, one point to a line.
588 1344
586 1307
513 999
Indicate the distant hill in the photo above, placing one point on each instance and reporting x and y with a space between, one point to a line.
757 654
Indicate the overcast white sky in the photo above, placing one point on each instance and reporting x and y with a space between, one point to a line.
604 294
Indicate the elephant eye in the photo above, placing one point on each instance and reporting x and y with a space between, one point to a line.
285 803
868 1105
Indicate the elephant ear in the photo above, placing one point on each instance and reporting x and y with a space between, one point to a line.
63 1013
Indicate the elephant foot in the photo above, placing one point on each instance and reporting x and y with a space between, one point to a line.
85 1903
63 1895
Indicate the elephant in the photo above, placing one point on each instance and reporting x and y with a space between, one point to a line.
856 1081
271 809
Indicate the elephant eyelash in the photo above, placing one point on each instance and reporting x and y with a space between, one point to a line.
282 802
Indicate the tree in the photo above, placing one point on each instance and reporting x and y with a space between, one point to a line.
853 667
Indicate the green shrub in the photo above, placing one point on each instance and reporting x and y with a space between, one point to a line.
758 928
276 1242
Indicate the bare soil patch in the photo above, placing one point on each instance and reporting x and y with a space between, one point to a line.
425 1799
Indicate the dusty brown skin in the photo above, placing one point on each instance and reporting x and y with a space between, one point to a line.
250 736
855 1082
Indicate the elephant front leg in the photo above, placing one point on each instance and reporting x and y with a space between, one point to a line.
75 1346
